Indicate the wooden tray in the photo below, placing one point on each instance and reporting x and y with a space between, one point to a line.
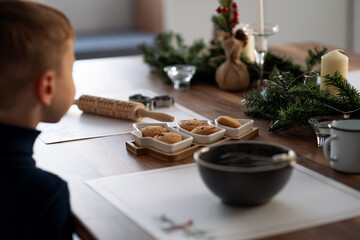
173 157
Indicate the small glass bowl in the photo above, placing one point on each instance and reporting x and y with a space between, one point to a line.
180 75
320 125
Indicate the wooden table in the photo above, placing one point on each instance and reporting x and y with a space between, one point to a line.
78 161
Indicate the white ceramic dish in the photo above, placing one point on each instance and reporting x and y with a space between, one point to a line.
246 125
204 139
152 142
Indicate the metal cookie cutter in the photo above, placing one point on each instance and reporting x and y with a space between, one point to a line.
148 102
151 103
163 101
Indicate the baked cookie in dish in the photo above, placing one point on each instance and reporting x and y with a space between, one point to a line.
228 121
246 125
152 130
142 141
169 137
209 128
189 125
205 130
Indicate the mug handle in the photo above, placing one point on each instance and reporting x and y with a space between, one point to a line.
327 148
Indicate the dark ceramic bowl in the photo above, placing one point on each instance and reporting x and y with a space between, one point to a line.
239 184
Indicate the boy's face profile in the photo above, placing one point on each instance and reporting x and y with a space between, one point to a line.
64 89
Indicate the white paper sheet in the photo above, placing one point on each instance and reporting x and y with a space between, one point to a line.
78 125
177 194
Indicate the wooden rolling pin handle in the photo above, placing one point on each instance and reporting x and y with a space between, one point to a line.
154 115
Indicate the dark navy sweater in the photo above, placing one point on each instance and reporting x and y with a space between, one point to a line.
34 204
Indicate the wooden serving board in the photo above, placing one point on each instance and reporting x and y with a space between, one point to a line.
173 157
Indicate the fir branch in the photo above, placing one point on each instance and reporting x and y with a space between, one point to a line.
291 103
345 90
314 58
179 41
225 18
300 112
283 64
170 49
224 2
220 23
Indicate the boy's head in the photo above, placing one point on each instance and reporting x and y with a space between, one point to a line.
36 46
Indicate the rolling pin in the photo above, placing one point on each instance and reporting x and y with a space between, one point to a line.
118 109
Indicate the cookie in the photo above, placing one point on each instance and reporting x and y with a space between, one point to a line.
189 125
228 121
169 137
205 130
151 131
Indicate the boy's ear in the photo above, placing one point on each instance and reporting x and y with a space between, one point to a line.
45 87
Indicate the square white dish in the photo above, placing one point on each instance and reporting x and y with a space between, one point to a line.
204 139
152 142
246 125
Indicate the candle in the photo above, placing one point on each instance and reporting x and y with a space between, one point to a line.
260 15
248 51
330 63
261 41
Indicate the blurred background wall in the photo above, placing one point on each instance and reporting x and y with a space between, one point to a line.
331 22
90 16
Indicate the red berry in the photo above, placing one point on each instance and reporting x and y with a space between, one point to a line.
234 5
236 18
225 9
236 13
219 9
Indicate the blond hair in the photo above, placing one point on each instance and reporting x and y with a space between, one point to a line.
33 39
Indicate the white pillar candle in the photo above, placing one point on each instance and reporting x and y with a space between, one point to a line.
260 15
261 41
332 62
248 50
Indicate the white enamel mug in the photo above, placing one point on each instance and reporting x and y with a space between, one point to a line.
342 148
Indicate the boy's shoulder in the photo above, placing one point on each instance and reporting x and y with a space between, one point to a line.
44 184
35 201
33 184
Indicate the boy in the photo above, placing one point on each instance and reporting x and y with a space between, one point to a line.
36 58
